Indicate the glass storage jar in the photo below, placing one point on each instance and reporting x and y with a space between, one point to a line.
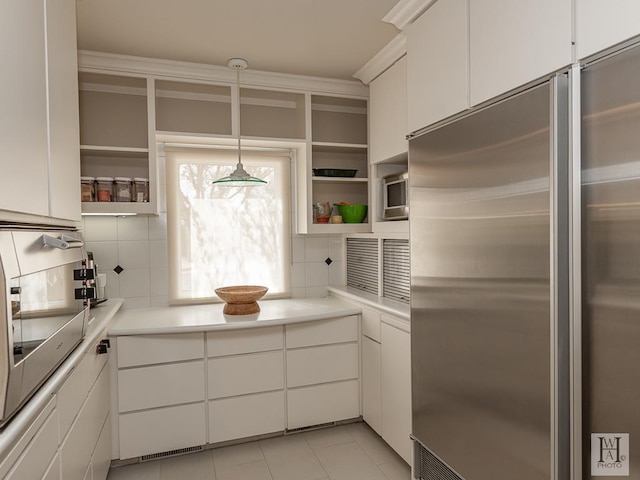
123 189
140 189
87 189
104 188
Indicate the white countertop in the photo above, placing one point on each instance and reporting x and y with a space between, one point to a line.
99 318
198 318
384 305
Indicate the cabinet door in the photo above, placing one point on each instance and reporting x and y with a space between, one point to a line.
371 384
36 458
246 416
149 349
323 403
513 42
160 385
23 116
322 332
330 363
64 136
396 389
437 64
78 447
388 113
600 25
162 429
101 459
243 374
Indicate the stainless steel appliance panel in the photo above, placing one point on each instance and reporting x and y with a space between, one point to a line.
42 317
611 253
480 290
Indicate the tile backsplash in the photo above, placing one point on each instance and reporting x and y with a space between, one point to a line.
138 244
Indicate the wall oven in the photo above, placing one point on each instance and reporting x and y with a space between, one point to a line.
45 280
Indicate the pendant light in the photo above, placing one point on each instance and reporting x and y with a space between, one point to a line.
239 177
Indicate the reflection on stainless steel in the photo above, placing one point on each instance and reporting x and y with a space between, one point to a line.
611 252
481 283
45 321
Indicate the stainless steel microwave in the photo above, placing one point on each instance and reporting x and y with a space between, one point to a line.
45 280
395 195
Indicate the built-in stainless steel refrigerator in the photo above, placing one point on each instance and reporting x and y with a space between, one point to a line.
610 267
525 282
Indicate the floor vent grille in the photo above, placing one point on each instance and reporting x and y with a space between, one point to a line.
430 467
310 427
170 453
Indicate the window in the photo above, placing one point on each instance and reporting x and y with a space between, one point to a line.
221 236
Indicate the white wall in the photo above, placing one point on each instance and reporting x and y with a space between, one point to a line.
139 245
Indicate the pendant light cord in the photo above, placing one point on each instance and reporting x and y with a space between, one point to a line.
239 123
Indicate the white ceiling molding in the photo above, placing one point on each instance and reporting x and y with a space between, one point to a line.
406 11
385 58
175 70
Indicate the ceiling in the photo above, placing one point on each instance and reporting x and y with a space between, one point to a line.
326 38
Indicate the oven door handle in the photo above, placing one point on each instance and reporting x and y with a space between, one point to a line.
63 243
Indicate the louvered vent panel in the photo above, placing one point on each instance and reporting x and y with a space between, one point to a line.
396 270
362 264
429 467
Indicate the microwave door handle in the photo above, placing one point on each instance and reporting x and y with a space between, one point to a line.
54 242
73 242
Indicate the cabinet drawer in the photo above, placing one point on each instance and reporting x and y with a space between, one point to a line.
246 416
233 342
160 385
101 459
38 455
371 324
322 403
149 349
83 436
330 363
244 374
76 387
322 332
161 430
21 444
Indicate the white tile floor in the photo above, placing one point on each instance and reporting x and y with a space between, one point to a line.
348 452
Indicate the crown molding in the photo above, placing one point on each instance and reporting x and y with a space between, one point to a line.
390 54
101 62
406 11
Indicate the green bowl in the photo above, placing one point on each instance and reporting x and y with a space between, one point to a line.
352 213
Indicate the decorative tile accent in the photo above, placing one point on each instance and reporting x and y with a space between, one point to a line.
328 261
118 269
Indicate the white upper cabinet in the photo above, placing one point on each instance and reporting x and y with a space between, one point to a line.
437 63
600 25
39 117
64 135
23 116
513 42
388 113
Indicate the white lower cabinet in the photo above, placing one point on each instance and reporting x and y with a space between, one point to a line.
184 390
324 403
162 429
161 393
34 461
371 406
79 446
396 389
322 371
101 459
246 416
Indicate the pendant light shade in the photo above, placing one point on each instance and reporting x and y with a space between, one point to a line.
239 177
